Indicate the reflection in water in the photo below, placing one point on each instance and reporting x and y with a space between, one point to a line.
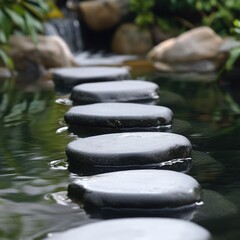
60 198
33 175
59 164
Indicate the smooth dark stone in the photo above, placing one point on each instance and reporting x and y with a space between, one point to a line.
66 78
181 127
115 91
136 189
129 151
215 207
172 99
177 126
119 116
205 168
137 229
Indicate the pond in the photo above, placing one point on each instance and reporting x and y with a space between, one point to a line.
33 169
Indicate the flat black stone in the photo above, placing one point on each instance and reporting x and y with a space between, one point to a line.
119 116
205 168
215 207
136 229
132 150
181 127
115 91
66 78
143 189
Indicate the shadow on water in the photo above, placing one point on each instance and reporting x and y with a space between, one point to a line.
33 169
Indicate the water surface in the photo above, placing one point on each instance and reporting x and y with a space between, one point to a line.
34 176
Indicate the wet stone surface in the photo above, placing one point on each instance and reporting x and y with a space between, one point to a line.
205 168
153 190
66 78
119 116
181 127
215 206
115 91
132 150
136 229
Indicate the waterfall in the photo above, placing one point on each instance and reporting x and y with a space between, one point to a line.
68 29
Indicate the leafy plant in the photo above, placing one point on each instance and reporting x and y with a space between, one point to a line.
144 12
20 16
234 54
218 14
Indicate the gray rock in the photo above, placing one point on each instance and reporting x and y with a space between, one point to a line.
115 91
136 229
140 189
129 151
119 116
67 78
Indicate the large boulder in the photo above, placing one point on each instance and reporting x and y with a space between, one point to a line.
49 51
34 58
130 39
198 50
103 14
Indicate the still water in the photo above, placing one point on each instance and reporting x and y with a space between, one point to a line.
33 170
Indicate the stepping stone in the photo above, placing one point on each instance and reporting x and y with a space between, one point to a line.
172 99
205 168
115 91
215 207
119 116
181 127
66 78
132 150
137 229
136 189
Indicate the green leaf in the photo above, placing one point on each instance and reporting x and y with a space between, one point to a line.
3 38
5 24
16 18
18 9
31 27
34 10
6 60
234 55
236 23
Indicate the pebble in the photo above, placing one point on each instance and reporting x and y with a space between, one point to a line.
115 91
131 150
137 229
66 78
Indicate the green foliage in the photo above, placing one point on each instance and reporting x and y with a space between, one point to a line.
144 12
218 14
236 27
234 54
20 16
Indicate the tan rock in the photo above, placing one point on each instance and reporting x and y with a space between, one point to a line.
130 39
50 51
103 14
196 50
